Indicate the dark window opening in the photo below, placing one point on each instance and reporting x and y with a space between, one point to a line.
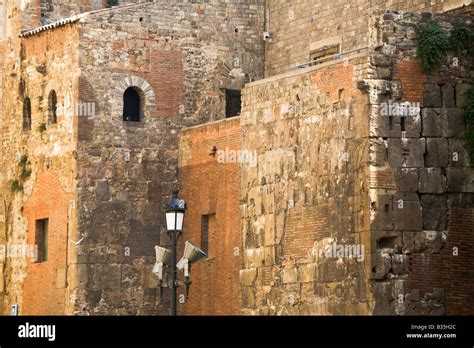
27 114
41 239
205 233
131 105
208 223
52 108
325 54
233 105
402 124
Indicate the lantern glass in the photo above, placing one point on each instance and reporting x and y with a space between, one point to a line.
175 220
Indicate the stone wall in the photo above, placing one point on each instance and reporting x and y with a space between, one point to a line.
209 178
45 187
35 13
181 57
421 182
334 167
303 26
308 192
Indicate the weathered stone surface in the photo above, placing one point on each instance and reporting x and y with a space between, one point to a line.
407 179
425 241
432 180
435 212
460 179
407 212
432 96
437 152
462 90
434 122
248 276
448 97
406 152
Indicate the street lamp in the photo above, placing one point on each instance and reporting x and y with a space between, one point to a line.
174 212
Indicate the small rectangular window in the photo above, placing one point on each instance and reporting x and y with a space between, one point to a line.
233 106
208 229
324 54
41 239
205 233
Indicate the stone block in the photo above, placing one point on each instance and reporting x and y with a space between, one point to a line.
457 154
460 179
434 211
462 90
102 190
382 212
107 277
400 264
456 124
436 152
406 179
432 180
248 276
448 98
307 273
432 96
381 264
434 122
407 212
289 275
424 241
406 152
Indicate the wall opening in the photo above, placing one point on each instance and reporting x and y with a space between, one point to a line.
233 105
324 54
207 226
132 105
52 108
26 114
41 239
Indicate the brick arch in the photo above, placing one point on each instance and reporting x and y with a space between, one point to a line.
145 89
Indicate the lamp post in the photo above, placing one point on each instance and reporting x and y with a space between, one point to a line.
174 211
174 226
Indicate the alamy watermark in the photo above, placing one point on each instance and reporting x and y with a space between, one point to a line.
405 109
228 156
340 251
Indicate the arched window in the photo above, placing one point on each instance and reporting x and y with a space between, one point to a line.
52 108
27 114
132 107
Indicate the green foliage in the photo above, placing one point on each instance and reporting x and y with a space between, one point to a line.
25 172
42 127
23 161
469 114
16 186
461 38
433 44
112 2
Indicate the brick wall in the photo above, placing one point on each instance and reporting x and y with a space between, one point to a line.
210 187
44 289
37 71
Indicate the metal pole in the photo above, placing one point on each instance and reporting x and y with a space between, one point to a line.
174 276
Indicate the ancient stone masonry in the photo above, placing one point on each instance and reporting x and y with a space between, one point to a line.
300 28
339 186
308 192
421 184
105 207
336 167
